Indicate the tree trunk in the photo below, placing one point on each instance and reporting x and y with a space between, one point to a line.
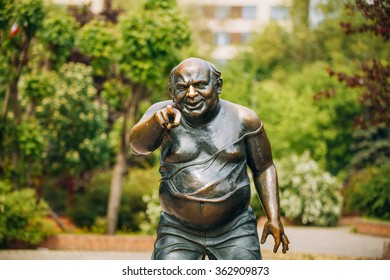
120 169
115 192
70 188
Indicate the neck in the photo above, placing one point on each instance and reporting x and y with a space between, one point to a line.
206 118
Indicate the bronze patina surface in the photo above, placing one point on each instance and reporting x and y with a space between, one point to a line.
206 146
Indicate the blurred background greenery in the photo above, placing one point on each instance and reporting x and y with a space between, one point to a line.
72 83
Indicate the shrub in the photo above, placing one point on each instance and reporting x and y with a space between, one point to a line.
369 193
91 202
22 217
309 195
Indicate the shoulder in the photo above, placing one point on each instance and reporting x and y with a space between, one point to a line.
248 119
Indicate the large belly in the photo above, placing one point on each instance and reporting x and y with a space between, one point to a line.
205 214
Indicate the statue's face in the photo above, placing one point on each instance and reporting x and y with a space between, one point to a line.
194 91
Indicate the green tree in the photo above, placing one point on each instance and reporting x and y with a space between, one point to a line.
52 124
75 126
57 35
372 124
19 24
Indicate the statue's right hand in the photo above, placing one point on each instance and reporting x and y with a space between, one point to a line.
168 117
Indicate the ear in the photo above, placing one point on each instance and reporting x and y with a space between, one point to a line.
218 85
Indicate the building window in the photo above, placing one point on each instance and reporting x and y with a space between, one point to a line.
222 12
279 12
248 12
235 38
208 11
221 39
236 12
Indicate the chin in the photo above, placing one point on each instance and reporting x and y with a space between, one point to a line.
193 114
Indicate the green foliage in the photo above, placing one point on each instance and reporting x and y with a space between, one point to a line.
369 192
368 44
58 33
159 4
152 213
146 56
97 40
31 140
372 147
22 217
113 91
99 226
55 195
309 195
91 202
239 81
28 138
290 118
37 86
76 123
27 16
271 49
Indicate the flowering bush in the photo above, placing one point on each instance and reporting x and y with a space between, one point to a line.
309 195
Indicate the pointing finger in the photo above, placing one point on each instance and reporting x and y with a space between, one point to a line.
170 110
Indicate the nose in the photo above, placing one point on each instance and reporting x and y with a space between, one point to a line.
192 92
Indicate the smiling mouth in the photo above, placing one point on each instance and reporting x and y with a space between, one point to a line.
194 106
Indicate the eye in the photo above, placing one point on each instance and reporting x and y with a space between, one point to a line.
201 85
181 88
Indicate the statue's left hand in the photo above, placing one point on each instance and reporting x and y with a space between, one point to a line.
276 229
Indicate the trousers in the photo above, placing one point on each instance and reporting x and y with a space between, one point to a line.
236 240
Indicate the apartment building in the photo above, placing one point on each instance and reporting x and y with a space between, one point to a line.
228 24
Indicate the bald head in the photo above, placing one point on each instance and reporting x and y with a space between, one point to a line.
195 64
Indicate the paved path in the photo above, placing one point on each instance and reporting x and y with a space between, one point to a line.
337 241
306 243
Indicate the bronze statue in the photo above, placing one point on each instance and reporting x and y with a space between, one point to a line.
206 145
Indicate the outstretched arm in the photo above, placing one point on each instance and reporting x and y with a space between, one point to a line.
148 133
266 182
